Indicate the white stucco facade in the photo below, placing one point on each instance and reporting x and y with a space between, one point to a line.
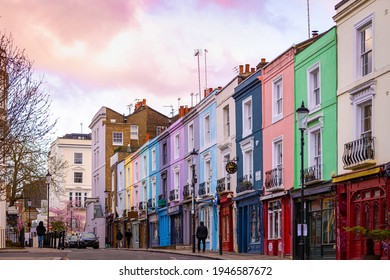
356 89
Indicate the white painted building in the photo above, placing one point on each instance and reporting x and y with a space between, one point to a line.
75 186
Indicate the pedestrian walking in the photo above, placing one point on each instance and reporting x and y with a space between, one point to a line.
41 230
119 237
129 236
201 235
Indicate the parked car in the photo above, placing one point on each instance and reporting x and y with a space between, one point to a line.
71 241
88 239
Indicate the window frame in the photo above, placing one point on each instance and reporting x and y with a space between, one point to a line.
75 157
276 115
74 177
361 26
115 138
247 116
134 132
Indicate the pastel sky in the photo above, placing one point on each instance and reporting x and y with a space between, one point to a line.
96 53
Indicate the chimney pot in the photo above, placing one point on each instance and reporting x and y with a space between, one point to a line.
263 60
241 69
246 68
314 33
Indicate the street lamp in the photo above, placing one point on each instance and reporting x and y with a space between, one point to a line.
48 179
193 155
302 113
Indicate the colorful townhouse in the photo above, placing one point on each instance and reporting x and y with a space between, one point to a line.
208 167
315 82
363 67
248 106
163 189
176 182
111 130
154 177
226 153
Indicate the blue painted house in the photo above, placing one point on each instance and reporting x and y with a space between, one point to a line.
248 101
208 173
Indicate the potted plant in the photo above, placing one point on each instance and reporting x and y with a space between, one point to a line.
371 236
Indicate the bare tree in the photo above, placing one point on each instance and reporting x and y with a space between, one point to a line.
25 120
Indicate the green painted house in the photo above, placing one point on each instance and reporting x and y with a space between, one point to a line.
316 85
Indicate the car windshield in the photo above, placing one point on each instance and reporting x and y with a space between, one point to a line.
87 235
73 238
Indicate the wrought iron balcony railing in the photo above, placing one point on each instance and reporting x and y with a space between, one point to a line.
142 206
174 195
359 153
152 203
245 183
274 179
204 188
313 174
223 184
162 201
187 191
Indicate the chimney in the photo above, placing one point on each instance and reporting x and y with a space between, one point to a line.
143 102
147 137
210 91
314 33
205 93
246 68
181 111
262 63
253 70
241 69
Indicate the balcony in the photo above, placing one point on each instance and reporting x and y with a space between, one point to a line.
204 188
313 174
174 195
223 184
274 180
142 206
187 191
162 201
152 203
245 183
359 153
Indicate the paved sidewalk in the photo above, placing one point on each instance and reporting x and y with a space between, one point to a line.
214 254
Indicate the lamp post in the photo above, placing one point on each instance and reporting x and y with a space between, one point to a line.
193 154
302 113
48 179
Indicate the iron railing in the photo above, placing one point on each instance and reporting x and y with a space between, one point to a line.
274 179
358 152
245 183
313 173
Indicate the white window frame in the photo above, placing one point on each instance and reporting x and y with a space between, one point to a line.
154 159
176 150
247 148
77 199
191 137
312 131
277 99
207 220
145 167
226 122
76 157
361 26
207 128
176 181
247 116
117 138
133 132
154 191
272 232
312 72
74 177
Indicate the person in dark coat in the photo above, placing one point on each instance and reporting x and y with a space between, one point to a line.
119 237
201 235
41 230
128 235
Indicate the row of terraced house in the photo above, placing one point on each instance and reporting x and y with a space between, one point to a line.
157 175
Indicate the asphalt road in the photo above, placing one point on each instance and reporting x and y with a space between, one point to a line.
95 254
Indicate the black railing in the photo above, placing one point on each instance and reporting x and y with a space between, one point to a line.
162 201
152 203
202 189
274 179
223 184
173 195
187 191
358 151
245 183
313 173
142 206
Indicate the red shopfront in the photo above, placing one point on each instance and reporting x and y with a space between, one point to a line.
226 221
362 200
277 224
